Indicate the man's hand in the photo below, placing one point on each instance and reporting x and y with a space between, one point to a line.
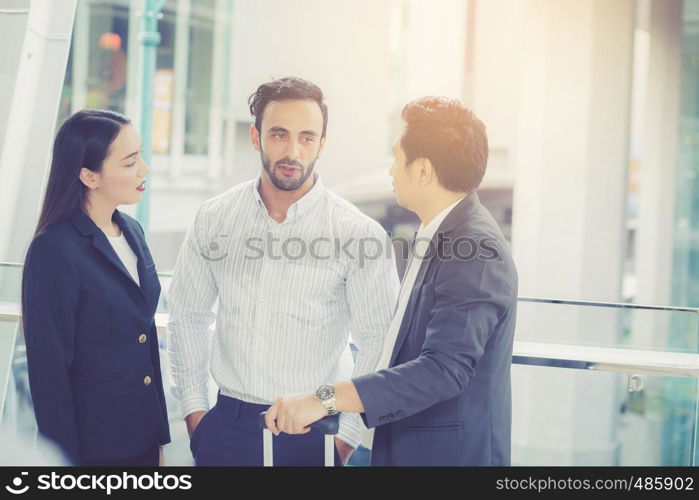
293 414
192 420
161 456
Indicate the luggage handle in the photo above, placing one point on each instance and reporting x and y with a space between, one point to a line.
329 425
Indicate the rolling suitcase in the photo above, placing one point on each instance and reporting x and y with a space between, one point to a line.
328 426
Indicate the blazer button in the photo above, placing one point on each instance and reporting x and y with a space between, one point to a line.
147 380
142 338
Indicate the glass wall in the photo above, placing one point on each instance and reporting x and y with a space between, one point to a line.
96 74
574 403
610 411
100 59
106 69
653 426
686 258
164 81
685 281
201 38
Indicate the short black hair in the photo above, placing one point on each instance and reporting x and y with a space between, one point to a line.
451 136
289 88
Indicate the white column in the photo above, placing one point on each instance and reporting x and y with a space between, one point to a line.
658 158
31 120
569 217
81 53
13 26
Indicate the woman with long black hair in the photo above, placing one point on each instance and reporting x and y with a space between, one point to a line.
89 295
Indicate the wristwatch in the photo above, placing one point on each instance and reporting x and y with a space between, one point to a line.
325 394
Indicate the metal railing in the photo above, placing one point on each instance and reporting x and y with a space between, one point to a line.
579 357
561 355
642 366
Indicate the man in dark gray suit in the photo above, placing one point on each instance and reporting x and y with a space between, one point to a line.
442 393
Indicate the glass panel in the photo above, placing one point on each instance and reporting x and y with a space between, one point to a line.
64 105
10 282
686 255
108 48
16 411
165 279
623 326
581 417
8 334
164 81
201 39
561 416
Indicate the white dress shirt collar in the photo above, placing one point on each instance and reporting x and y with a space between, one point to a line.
300 206
430 229
425 234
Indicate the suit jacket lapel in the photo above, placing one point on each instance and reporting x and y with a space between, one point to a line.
86 227
462 210
405 271
410 308
135 244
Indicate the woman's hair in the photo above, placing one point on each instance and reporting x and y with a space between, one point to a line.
83 140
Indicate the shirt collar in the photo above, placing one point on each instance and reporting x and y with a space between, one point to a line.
300 206
431 228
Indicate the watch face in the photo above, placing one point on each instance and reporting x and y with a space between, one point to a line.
325 392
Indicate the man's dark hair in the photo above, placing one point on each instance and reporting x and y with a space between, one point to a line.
451 136
289 88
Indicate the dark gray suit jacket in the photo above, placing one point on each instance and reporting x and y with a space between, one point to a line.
446 397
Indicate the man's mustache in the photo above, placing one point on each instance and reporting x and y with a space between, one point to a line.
288 161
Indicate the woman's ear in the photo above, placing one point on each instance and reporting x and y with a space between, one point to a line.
89 178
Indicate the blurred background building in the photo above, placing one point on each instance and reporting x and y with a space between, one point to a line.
592 111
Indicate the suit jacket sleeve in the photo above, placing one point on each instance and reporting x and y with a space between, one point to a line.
50 291
469 299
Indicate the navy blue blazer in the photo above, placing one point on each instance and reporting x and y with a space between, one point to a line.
446 398
92 344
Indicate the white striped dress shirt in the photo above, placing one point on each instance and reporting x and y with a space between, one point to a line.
288 296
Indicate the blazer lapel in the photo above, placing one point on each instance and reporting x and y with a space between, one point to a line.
462 210
135 243
405 271
86 227
410 308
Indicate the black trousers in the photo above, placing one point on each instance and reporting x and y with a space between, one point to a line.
229 435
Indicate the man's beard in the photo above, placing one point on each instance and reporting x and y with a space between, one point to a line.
284 183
